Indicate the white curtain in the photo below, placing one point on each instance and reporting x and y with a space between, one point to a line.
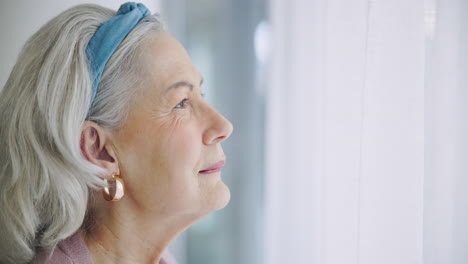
345 132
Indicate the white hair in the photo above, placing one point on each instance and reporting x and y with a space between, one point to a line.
45 181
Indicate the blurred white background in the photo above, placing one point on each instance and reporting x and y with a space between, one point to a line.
350 137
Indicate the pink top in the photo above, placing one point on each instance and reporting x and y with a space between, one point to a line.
74 251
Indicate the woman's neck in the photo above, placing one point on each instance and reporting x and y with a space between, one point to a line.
114 237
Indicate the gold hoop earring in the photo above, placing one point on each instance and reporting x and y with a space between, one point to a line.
119 189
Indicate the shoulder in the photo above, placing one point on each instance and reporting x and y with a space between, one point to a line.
74 251
55 256
70 251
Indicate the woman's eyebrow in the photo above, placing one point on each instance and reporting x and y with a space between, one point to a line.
182 84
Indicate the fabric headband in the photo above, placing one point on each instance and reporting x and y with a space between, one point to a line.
109 36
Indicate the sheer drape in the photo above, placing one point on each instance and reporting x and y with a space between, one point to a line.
345 133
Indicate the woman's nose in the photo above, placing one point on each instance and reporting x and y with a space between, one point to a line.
219 128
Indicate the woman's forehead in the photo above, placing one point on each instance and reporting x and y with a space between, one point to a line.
166 60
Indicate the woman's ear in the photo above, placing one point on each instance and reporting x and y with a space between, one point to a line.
96 147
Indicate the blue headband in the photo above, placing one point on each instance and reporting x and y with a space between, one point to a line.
109 36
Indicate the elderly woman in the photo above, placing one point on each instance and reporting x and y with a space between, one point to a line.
108 149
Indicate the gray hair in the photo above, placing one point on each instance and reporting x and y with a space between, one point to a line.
45 181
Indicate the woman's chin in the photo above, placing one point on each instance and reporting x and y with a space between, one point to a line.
219 198
224 196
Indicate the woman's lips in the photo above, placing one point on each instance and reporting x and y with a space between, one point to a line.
213 168
210 171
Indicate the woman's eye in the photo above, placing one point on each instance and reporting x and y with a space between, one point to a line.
182 103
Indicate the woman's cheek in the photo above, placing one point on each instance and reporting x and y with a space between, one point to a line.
185 145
